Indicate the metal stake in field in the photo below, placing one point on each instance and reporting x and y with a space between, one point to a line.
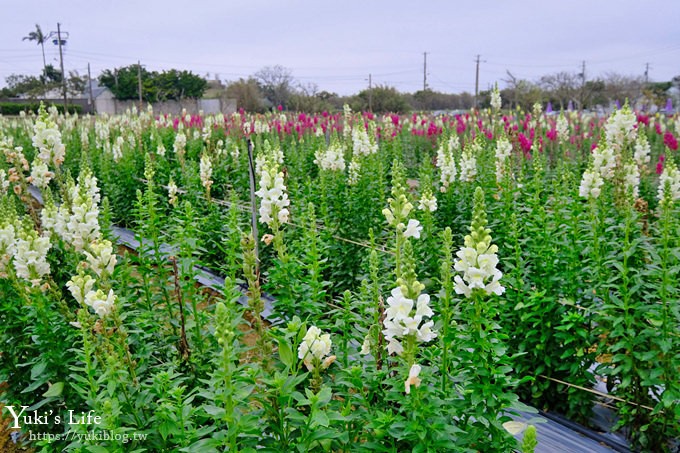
253 205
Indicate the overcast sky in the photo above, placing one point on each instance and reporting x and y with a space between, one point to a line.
336 44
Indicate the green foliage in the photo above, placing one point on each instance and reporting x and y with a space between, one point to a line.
156 86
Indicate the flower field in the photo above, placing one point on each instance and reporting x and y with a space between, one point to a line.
431 277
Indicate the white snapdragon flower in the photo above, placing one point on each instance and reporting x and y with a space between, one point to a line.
160 149
495 98
503 150
562 128
79 286
118 148
447 163
30 258
206 171
362 144
354 172
100 257
604 161
7 247
101 303
315 345
413 229
172 192
468 164
4 182
273 197
47 141
631 179
642 151
332 159
402 320
40 174
413 378
180 143
621 128
669 183
478 267
428 202
591 184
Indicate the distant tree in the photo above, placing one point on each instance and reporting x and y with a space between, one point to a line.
277 84
247 94
123 82
656 93
594 93
51 75
174 84
39 37
383 99
156 86
307 98
19 84
561 87
619 87
76 84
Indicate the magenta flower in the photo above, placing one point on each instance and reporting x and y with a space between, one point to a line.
670 141
659 164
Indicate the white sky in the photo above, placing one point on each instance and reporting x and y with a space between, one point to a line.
336 44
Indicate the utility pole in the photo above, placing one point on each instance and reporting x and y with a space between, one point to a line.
583 84
424 71
61 61
476 83
370 93
139 83
89 84
646 73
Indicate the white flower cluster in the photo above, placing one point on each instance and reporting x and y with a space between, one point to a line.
362 144
4 182
347 120
40 174
180 143
78 224
81 286
468 164
47 140
641 155
260 127
478 265
401 320
562 128
172 192
604 161
30 257
447 163
118 148
7 247
100 257
621 128
354 172
503 150
206 171
631 179
591 184
332 159
495 98
669 180
274 199
315 345
427 201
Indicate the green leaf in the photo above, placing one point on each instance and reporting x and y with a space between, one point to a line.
217 412
55 390
286 353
